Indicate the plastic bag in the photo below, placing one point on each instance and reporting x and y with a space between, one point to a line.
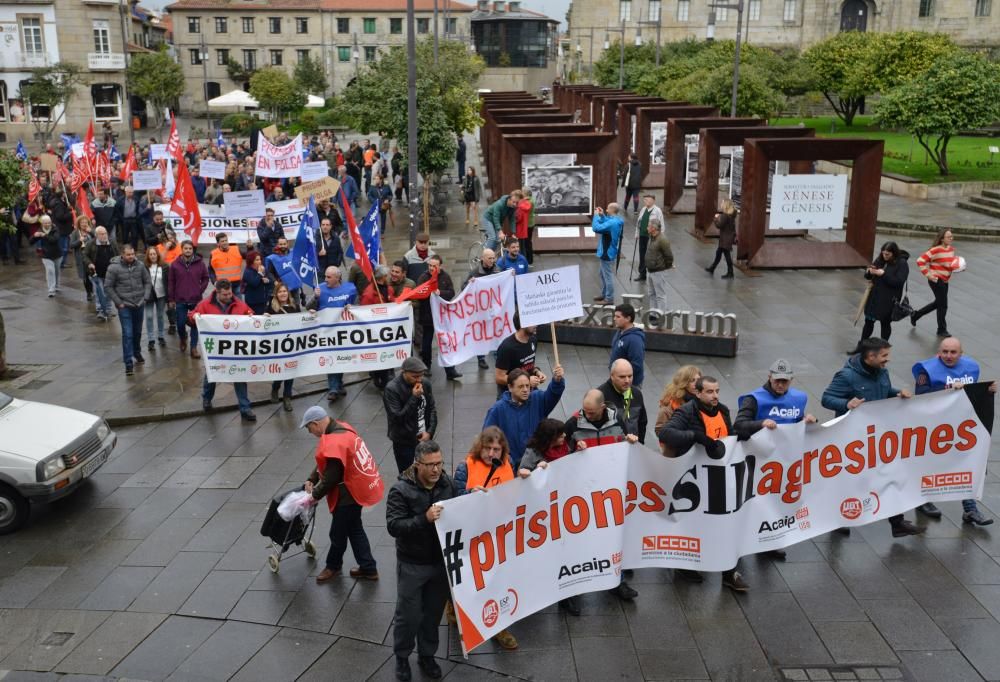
295 504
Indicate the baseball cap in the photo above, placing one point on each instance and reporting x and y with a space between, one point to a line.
781 369
413 364
313 414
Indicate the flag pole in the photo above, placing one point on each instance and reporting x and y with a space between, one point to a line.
555 344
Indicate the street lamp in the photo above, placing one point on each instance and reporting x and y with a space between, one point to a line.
203 55
654 20
621 50
356 54
710 35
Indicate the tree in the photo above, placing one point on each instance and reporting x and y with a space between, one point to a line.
310 75
755 96
157 78
276 92
237 72
960 91
896 58
50 88
838 63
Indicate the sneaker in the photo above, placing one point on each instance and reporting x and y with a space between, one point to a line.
139 360
162 341
505 640
976 518
129 371
904 528
688 575
248 416
102 317
624 592
151 346
483 364
403 672
274 395
287 404
356 572
734 581
570 605
429 667
930 510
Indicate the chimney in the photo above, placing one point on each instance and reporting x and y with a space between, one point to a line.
499 6
514 6
483 5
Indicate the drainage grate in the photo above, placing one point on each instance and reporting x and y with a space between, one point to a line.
27 377
57 638
35 384
845 673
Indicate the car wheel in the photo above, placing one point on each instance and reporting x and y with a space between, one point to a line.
14 510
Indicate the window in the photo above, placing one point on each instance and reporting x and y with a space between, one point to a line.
212 90
396 26
423 25
249 59
369 24
3 101
102 37
789 13
754 10
107 101
343 25
371 53
343 54
451 26
221 25
31 33
276 57
194 25
301 55
654 10
721 14
222 57
38 112
983 8
274 24
683 8
248 24
301 25
625 10
195 57
523 43
926 8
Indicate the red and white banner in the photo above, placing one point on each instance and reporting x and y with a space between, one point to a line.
573 527
476 321
274 161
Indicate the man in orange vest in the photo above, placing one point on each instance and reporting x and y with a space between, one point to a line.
226 263
347 476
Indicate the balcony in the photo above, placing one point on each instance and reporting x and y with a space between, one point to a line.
105 61
24 60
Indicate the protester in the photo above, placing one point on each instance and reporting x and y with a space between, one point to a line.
222 301
864 378
632 182
888 276
328 249
496 215
268 231
81 236
346 487
157 300
725 223
333 294
410 411
421 582
527 204
512 259
417 257
348 188
62 222
256 284
106 211
937 264
381 195
950 368
49 243
282 303
517 351
472 193
153 231
650 212
378 291
132 218
225 262
97 256
128 286
398 281
186 281
658 259
460 158
487 266
170 248
628 342
280 268
619 392
519 411
609 226
446 290
703 421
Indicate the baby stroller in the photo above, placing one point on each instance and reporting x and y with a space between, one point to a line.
283 534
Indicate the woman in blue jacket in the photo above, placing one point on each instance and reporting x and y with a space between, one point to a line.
520 410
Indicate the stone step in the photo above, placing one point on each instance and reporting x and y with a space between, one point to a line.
977 208
989 202
991 193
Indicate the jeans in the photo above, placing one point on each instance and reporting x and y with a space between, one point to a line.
287 393
421 592
101 301
131 322
239 388
607 280
643 243
346 527
491 230
940 304
64 245
404 455
719 253
657 284
155 310
182 310
51 274
334 383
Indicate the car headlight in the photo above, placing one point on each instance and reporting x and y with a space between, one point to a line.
103 430
52 467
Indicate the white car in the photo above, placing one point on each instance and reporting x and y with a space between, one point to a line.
46 452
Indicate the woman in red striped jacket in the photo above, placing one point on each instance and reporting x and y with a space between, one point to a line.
937 264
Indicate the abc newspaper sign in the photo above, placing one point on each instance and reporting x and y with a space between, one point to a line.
334 340
573 527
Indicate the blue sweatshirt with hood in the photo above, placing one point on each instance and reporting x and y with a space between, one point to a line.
519 421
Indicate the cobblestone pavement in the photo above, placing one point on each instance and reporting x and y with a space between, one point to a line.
155 570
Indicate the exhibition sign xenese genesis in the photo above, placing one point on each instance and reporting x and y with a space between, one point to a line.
561 190
808 201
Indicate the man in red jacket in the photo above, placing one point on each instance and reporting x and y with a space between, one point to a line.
222 302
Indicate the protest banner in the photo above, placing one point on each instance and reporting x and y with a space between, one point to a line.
287 214
573 527
158 152
261 348
324 188
476 321
315 170
549 296
274 161
270 132
147 179
50 162
248 204
212 169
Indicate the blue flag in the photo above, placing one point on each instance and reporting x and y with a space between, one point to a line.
21 152
69 141
371 235
304 258
220 141
114 154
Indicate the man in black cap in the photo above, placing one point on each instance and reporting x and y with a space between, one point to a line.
409 410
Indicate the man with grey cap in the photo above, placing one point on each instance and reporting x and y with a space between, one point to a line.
410 411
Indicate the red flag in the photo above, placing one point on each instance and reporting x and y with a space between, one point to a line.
90 153
60 174
34 187
185 204
359 244
174 141
76 180
130 165
83 205
104 168
419 292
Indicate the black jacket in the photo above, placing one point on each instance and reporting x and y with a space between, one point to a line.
638 417
446 290
401 410
685 423
888 287
406 520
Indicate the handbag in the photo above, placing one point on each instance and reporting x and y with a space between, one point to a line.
901 308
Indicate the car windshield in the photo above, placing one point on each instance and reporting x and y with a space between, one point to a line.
4 400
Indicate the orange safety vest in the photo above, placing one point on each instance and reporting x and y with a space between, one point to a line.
715 427
361 474
228 264
170 256
479 470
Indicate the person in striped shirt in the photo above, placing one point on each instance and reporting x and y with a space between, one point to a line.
937 264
